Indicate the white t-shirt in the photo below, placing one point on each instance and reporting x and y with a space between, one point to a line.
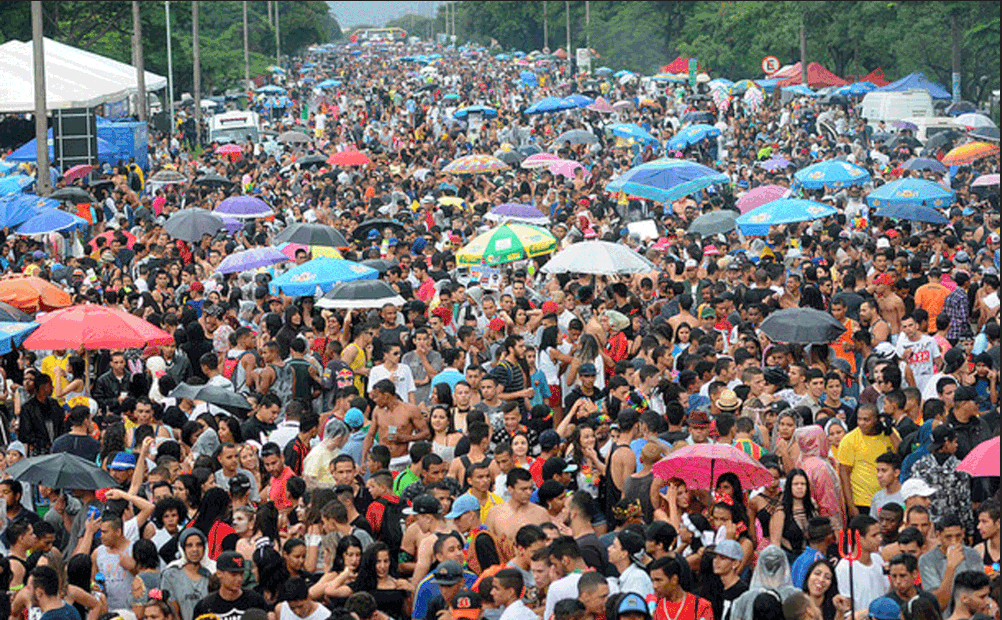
924 351
285 613
402 378
869 581
565 587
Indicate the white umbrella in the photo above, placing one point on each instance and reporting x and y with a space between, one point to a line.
598 258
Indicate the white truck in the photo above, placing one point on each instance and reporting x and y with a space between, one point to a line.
235 126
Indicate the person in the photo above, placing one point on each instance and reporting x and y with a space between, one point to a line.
771 576
940 566
868 580
397 423
858 454
565 556
593 590
444 582
970 595
187 579
788 525
114 559
507 587
939 470
903 572
505 520
821 589
296 603
888 476
988 529
820 536
392 369
673 601
727 558
626 554
41 419
231 600
884 608
77 439
44 584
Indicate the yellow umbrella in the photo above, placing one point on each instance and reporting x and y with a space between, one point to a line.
506 244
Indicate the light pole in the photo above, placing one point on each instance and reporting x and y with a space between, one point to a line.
196 61
170 73
43 183
246 51
137 51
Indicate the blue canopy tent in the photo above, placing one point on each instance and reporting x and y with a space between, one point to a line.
106 151
916 81
768 86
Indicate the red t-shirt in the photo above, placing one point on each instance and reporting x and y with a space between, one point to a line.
277 493
690 608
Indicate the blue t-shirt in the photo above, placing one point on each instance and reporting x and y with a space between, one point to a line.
66 612
427 589
798 572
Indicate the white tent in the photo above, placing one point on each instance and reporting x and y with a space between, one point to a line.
74 78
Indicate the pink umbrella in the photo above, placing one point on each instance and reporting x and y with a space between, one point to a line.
78 172
622 105
540 160
566 168
699 465
760 196
601 105
232 150
91 327
986 180
983 460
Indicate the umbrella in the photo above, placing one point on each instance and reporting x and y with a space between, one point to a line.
960 108
699 116
700 465
775 163
942 140
924 164
321 272
550 104
783 211
361 232
969 153
983 460
349 158
540 160
624 104
312 234
361 294
576 136
14 183
292 137
760 196
506 244
904 125
61 470
78 172
270 89
90 326
910 191
167 177
233 150
665 180
482 110
832 174
514 212
13 333
598 258
289 250
191 224
974 120
912 213
512 158
529 149
802 326
18 208
579 100
601 105
382 265
475 164
631 131
213 180
567 168
452 201
989 134
253 258
986 180
713 223
10 314
51 220
693 134
901 140
739 87
31 294
310 161
243 208
71 194
212 394
130 239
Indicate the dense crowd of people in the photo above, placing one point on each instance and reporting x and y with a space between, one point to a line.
487 449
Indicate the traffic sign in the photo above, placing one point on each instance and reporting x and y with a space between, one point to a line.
770 65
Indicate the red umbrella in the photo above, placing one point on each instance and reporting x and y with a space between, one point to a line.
78 171
90 326
349 158
234 151
983 460
699 465
130 239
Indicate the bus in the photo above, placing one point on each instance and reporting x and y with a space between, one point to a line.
378 35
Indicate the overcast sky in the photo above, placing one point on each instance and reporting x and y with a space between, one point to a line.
378 13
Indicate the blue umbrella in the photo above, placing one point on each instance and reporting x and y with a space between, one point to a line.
912 213
831 174
329 83
634 132
13 334
549 104
579 101
856 89
14 183
799 89
783 211
253 258
925 164
482 110
19 208
51 220
621 73
910 192
603 71
693 134
322 273
502 57
270 89
665 180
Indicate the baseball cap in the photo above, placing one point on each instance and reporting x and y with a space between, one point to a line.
962 257
373 234
884 608
496 324
883 242
467 605
464 503
699 417
916 486
549 306
587 369
557 465
230 562
354 419
942 434
549 439
448 573
549 490
17 446
730 549
690 264
122 461
633 603
239 483
708 313
964 394
633 543
426 505
952 360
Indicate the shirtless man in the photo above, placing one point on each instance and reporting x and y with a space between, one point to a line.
398 424
273 364
419 538
869 317
891 306
505 520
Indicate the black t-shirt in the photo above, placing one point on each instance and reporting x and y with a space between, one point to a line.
918 592
727 597
84 446
576 394
230 610
757 295
435 605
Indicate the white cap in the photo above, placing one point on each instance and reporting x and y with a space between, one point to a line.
916 486
883 242
690 264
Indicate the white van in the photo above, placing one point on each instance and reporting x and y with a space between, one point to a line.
929 126
235 126
890 107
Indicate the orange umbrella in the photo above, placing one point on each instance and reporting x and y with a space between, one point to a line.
32 294
970 152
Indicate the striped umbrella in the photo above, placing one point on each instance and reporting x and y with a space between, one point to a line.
475 164
540 160
506 244
969 153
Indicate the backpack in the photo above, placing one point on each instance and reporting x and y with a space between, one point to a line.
230 365
282 387
391 531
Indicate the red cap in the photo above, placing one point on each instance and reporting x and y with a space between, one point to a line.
197 286
891 233
496 324
550 306
884 279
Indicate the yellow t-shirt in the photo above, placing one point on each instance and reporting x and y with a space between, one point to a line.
49 365
493 499
860 452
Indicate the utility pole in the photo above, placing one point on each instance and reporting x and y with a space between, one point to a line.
196 61
454 20
43 182
278 47
955 35
567 15
588 24
803 50
137 52
546 29
170 71
246 51
270 22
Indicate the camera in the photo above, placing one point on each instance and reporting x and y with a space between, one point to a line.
885 424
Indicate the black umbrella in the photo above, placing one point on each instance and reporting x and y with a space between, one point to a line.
312 234
990 134
190 224
714 223
512 158
698 97
428 87
576 136
212 394
361 294
941 140
71 194
361 231
697 117
960 107
312 160
802 326
213 180
833 99
381 265
900 140
10 314
105 184
61 470
529 149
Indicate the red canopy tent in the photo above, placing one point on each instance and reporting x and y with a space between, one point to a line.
817 77
785 72
679 65
875 77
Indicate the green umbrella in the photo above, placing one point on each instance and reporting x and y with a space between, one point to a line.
506 244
